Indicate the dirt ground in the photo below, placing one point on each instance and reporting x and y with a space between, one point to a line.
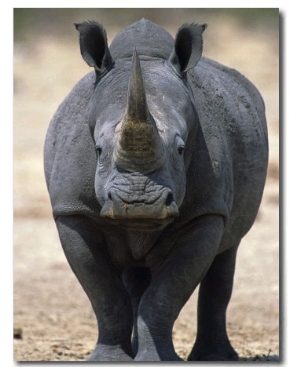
53 320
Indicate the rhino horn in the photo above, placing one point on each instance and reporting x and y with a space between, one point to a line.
139 147
137 108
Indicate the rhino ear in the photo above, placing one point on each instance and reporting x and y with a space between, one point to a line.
93 46
188 47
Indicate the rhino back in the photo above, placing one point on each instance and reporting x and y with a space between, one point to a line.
70 157
232 118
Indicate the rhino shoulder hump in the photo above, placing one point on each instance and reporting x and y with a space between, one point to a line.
146 37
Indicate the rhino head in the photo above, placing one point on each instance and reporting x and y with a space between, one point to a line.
143 122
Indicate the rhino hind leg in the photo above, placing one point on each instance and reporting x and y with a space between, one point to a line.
212 342
87 257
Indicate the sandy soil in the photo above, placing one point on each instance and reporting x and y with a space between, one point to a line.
53 320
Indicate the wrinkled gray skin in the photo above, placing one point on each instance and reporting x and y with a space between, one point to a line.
155 164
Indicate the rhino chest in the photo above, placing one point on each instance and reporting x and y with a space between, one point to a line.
134 248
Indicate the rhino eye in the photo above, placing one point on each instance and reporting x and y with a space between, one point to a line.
179 145
98 151
181 149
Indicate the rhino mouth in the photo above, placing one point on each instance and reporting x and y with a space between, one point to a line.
140 215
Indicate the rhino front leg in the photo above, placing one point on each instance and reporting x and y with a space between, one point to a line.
83 247
136 281
172 285
212 343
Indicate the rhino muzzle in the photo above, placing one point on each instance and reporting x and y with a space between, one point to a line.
139 147
142 214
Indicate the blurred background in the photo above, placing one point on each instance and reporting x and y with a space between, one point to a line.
47 64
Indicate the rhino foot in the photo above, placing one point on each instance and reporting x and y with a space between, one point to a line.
154 357
106 353
201 356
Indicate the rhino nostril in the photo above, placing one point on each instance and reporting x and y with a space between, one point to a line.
169 199
109 196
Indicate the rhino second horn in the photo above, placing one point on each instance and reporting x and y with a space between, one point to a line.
140 147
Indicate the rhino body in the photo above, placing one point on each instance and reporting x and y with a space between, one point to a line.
155 165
